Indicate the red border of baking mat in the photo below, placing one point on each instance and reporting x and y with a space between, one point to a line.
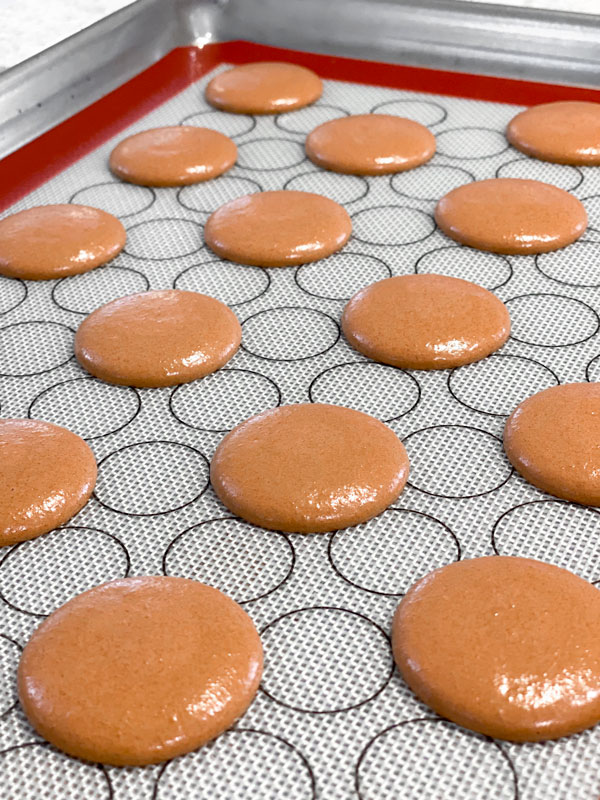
41 159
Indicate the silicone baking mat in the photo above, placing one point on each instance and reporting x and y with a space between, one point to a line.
332 718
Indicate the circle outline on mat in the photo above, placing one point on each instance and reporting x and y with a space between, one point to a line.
590 197
46 746
562 297
411 100
221 261
529 161
472 128
430 217
165 219
438 720
7 711
335 710
342 252
496 355
365 191
88 378
466 249
153 513
37 322
250 117
224 177
285 536
554 501
118 183
458 496
571 247
110 266
587 368
22 300
427 166
309 107
397 510
223 430
282 308
369 364
239 165
15 547
306 763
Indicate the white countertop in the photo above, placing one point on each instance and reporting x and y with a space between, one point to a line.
30 26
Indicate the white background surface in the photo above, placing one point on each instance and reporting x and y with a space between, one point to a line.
29 26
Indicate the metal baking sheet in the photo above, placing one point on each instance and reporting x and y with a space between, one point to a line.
332 719
526 43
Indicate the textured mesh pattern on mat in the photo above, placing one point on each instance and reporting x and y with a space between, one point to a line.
332 719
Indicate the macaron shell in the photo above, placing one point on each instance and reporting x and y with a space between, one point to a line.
47 475
54 241
504 646
553 440
264 87
159 338
562 133
173 156
278 229
425 322
370 144
140 670
511 216
309 468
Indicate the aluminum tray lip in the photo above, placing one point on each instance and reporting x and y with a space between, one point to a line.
44 90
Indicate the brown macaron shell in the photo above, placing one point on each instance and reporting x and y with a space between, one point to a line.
47 475
159 338
264 87
566 132
512 216
504 646
309 468
370 144
173 156
278 229
553 440
140 670
425 322
54 241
